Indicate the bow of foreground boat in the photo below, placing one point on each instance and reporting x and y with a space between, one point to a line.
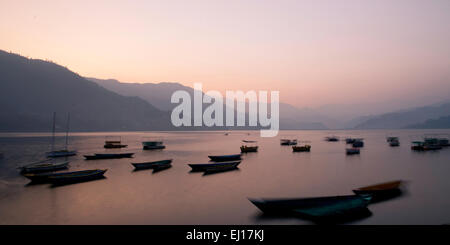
382 191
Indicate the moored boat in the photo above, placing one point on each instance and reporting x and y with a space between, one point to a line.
76 176
350 140
246 149
358 143
64 152
153 145
108 156
224 158
44 167
316 207
112 142
352 151
394 143
303 148
288 142
250 146
332 138
211 166
151 165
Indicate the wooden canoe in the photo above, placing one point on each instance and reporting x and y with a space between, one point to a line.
224 158
211 166
151 165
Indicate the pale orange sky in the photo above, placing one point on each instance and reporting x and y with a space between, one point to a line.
313 52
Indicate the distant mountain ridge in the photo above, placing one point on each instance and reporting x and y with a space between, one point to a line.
406 118
31 89
159 94
442 122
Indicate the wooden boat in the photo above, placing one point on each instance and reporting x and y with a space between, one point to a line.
288 142
391 138
113 142
314 207
44 167
151 165
358 143
64 152
394 143
153 145
77 176
382 191
220 169
224 158
350 140
161 167
352 151
304 148
108 156
332 138
246 149
211 166
379 188
424 146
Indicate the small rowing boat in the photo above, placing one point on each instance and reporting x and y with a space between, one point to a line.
151 165
46 177
288 142
44 167
224 158
77 176
304 148
213 166
352 151
97 156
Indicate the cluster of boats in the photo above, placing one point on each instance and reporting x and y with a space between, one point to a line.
430 144
331 208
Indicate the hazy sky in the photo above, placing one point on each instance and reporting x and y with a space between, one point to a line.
313 52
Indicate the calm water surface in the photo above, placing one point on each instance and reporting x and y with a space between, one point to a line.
175 196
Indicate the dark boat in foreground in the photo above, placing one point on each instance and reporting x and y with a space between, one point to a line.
44 167
151 165
108 156
77 176
214 166
224 158
334 207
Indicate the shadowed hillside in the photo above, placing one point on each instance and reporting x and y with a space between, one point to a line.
31 89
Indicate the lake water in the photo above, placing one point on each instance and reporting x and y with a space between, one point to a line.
176 196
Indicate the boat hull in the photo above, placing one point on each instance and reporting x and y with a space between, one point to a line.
114 146
225 158
317 207
213 166
246 149
41 168
55 154
76 177
108 156
151 165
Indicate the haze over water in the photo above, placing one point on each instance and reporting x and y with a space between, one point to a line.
176 196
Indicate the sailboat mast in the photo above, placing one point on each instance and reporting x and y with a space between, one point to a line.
67 131
53 132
